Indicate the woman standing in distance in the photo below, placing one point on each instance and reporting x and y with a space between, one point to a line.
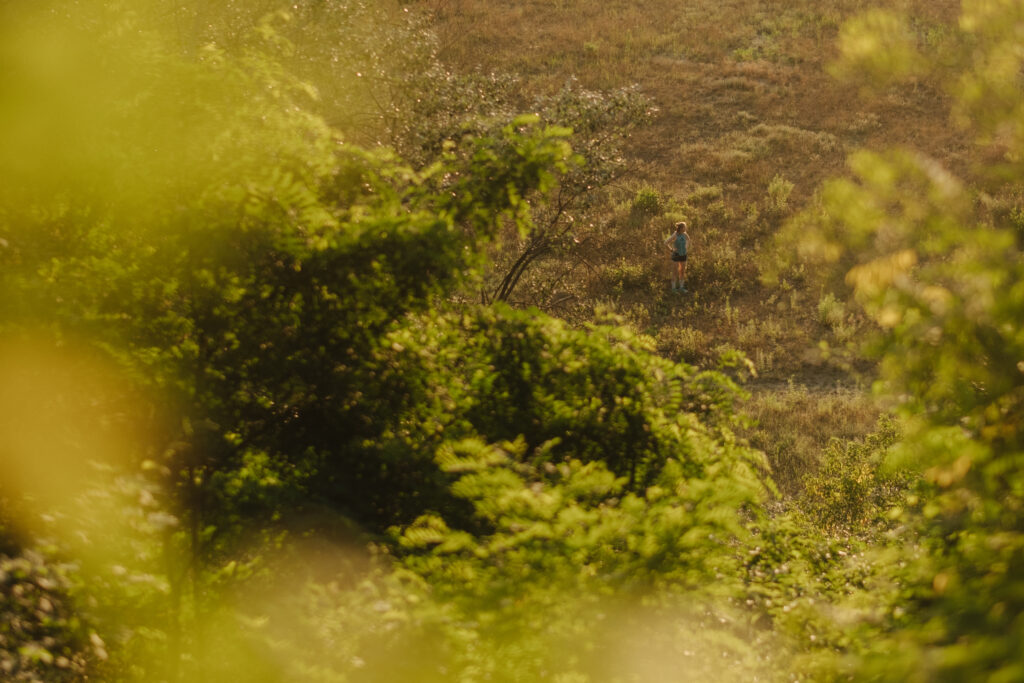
677 243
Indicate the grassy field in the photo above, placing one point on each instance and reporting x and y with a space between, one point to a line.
750 120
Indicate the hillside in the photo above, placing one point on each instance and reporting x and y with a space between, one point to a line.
743 96
750 120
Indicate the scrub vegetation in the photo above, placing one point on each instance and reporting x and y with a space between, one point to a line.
336 341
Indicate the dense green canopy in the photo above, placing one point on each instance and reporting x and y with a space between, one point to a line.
252 428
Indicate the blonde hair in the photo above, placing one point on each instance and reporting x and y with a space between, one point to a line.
681 224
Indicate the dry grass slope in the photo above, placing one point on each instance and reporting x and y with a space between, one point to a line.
749 123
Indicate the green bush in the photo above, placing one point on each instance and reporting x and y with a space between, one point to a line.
779 190
562 528
597 394
647 203
851 491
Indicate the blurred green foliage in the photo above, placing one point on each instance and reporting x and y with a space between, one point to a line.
252 431
946 292
41 636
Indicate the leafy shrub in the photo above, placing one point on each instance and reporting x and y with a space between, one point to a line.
571 528
592 395
779 190
831 312
646 204
851 491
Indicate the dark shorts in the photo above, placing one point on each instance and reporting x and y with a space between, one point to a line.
679 257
